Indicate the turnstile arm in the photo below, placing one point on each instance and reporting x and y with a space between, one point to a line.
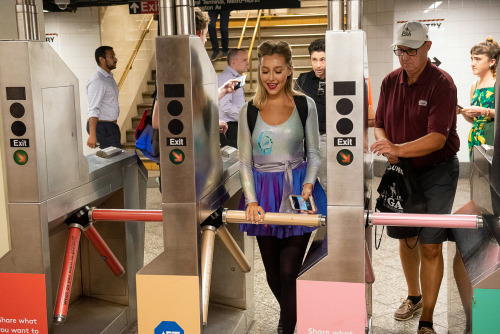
234 249
207 254
67 274
272 218
424 220
126 215
102 248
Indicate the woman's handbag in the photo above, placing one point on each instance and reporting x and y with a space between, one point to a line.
147 138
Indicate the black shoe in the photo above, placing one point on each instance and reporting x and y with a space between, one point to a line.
224 54
280 327
215 55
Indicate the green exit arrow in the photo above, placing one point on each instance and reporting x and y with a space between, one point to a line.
21 157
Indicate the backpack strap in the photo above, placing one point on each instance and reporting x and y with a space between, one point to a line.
252 113
301 80
301 104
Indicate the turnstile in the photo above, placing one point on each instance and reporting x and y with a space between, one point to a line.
45 179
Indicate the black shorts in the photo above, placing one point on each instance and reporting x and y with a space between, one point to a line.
439 185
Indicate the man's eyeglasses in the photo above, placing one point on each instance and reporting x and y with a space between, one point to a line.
321 88
409 52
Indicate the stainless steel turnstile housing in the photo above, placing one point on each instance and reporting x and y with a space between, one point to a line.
40 115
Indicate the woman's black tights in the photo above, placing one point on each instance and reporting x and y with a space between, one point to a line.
282 260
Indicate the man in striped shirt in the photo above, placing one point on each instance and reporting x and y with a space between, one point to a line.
102 94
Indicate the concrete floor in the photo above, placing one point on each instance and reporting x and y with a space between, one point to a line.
389 287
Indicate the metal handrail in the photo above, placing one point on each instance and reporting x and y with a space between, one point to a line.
134 54
244 28
257 25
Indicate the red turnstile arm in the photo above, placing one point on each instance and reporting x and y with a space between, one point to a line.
126 215
68 271
103 250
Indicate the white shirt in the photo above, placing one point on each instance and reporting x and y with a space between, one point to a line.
230 105
102 94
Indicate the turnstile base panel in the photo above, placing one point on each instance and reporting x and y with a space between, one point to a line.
90 315
227 320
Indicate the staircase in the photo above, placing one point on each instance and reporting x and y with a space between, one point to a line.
147 103
299 28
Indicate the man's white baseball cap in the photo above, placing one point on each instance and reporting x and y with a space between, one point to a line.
412 34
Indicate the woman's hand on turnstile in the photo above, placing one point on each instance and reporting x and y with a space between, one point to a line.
306 193
254 213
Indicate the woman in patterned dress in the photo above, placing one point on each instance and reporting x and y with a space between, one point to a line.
484 61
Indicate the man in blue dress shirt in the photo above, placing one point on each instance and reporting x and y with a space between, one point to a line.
230 104
102 94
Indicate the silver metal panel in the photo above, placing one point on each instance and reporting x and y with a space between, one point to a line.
199 117
13 76
50 72
354 16
167 17
483 267
346 178
336 15
59 120
105 180
181 233
345 261
26 232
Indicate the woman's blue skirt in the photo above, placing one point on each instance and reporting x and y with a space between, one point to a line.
269 189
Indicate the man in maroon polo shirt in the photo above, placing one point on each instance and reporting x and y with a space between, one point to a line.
416 119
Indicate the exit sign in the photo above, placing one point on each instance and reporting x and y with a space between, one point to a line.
143 7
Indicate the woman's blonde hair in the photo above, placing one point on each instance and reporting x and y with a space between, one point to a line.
490 48
269 48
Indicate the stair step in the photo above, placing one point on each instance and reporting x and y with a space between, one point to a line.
130 135
135 121
302 39
297 60
297 49
279 29
317 14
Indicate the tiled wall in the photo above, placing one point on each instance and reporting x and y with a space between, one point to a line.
78 35
466 22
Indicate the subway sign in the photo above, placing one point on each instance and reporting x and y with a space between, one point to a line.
245 4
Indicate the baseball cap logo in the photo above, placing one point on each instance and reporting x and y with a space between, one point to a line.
406 31
412 34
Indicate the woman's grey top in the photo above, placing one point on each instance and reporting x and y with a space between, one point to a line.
277 144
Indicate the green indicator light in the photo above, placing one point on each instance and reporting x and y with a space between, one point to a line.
176 156
21 157
345 157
